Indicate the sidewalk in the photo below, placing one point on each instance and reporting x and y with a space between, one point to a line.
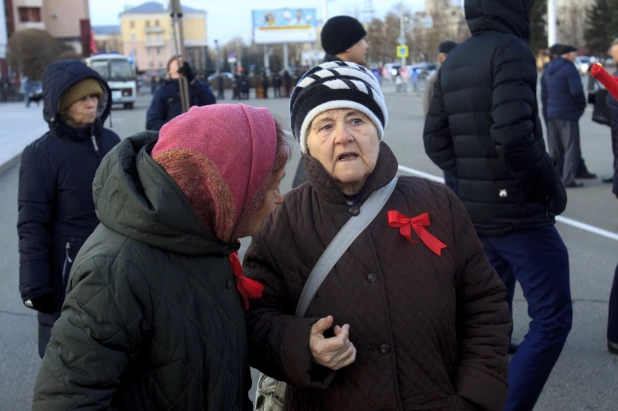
19 126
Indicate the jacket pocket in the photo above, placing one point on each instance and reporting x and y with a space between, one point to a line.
71 248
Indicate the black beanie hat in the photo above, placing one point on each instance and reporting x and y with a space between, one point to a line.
447 46
336 85
340 33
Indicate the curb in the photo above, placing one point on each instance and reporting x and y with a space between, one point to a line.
9 163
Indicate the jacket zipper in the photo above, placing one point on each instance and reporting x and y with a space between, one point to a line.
67 260
94 144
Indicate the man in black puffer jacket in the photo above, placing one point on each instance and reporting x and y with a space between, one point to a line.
56 209
483 125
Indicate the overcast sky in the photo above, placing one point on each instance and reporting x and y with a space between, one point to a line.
230 18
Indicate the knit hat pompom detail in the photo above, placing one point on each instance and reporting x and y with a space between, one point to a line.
336 85
85 88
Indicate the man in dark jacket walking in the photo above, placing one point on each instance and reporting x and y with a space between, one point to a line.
166 102
343 39
56 210
563 95
276 85
483 123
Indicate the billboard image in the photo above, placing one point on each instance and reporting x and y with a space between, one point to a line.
284 26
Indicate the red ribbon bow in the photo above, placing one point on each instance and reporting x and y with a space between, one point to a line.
247 287
418 223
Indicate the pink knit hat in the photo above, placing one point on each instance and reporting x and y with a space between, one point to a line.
221 156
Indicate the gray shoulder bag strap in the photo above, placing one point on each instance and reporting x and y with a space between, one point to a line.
344 238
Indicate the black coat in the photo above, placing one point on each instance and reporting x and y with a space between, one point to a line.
56 210
166 103
152 318
483 123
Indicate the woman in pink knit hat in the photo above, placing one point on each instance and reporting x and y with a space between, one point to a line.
154 314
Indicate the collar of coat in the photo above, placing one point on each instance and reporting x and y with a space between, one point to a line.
328 189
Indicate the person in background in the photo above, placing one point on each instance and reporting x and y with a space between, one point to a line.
563 95
276 84
264 82
450 177
612 323
343 39
483 122
166 103
155 312
220 87
613 109
287 83
55 208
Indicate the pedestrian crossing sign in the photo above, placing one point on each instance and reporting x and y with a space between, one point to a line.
402 51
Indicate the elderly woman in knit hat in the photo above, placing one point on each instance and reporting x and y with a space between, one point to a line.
56 211
411 315
154 317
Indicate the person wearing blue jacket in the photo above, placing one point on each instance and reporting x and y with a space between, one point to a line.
55 203
166 103
564 101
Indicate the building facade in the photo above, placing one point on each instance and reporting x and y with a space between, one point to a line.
66 20
108 39
147 35
69 22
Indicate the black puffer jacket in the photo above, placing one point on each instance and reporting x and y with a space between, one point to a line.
152 318
56 210
483 123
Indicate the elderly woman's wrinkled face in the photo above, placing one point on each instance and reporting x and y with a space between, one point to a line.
346 143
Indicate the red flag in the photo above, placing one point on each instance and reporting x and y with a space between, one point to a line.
610 83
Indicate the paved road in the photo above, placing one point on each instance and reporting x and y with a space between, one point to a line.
586 376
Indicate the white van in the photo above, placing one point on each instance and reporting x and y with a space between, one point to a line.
120 74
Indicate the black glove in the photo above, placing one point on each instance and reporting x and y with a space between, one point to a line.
45 303
591 98
187 72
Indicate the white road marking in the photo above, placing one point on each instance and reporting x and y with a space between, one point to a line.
565 220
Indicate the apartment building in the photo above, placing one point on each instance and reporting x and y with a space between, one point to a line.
147 35
108 39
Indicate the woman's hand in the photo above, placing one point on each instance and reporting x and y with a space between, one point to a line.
335 352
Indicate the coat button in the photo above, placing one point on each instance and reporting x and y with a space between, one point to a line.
354 211
371 278
230 283
384 349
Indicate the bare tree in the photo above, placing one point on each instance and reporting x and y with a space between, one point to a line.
30 51
572 23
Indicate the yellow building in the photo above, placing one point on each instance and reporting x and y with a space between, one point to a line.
147 35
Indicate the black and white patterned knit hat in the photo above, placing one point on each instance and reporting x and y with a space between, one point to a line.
334 85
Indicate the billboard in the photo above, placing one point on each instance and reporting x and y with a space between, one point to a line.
284 26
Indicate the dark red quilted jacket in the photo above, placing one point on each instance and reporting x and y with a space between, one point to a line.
431 332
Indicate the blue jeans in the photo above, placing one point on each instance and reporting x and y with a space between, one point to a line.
539 261
612 323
